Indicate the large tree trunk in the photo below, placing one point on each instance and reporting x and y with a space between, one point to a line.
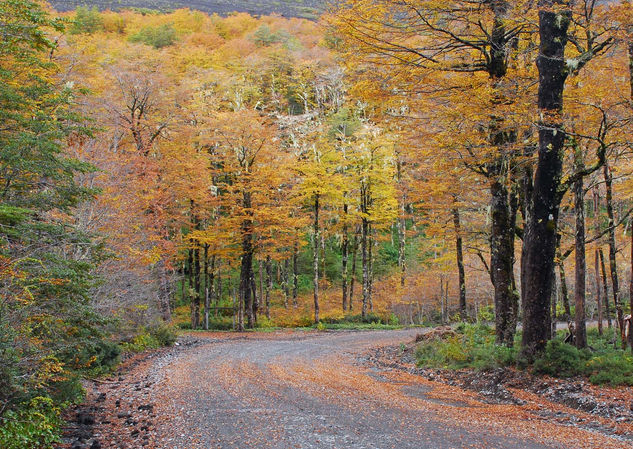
608 182
580 278
316 258
503 216
539 244
460 263
344 257
630 51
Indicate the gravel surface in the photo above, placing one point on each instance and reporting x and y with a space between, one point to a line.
306 391
301 390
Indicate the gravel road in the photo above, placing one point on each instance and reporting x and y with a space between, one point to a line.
311 390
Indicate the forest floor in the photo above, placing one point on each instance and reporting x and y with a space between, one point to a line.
344 389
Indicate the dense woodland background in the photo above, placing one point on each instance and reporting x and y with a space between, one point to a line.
394 163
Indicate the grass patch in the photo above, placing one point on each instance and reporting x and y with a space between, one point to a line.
473 346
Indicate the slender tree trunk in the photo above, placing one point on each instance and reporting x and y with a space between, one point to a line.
191 285
256 299
631 285
246 268
370 279
402 235
608 178
197 287
323 273
365 261
442 304
539 242
206 287
596 267
596 260
344 251
183 283
218 295
460 263
261 278
316 258
501 264
553 305
269 284
563 286
580 278
295 273
285 281
352 280
605 286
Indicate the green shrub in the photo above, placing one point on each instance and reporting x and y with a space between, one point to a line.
33 425
264 36
86 21
157 37
614 368
560 359
164 334
264 323
486 314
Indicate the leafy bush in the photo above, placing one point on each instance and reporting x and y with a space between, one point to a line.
486 314
151 337
561 359
611 368
264 36
96 356
86 21
264 323
164 334
34 425
157 37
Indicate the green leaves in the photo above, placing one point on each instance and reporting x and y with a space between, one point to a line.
157 37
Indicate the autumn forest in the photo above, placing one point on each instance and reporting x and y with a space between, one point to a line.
389 164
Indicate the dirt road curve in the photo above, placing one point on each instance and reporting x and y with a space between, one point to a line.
296 390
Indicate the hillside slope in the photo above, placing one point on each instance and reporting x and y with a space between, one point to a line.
309 9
